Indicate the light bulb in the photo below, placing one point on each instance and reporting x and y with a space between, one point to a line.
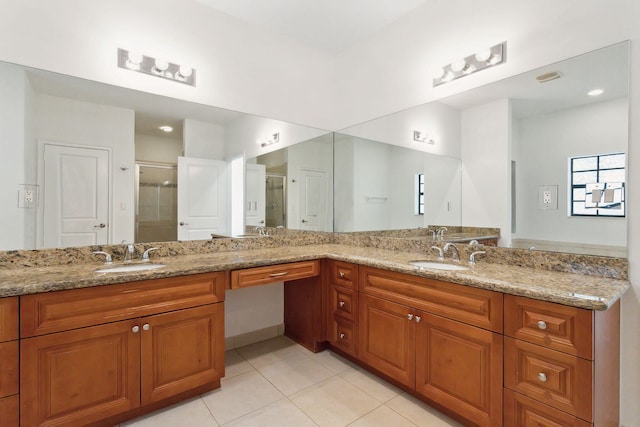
185 71
483 55
165 128
595 92
134 57
161 64
495 59
458 65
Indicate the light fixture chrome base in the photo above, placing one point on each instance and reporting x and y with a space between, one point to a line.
156 67
472 64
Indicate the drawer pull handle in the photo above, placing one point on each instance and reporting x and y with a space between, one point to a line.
340 303
284 273
341 336
418 319
409 316
542 324
145 327
135 329
542 377
341 274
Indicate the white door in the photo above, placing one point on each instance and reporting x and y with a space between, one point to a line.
76 196
255 178
313 200
202 198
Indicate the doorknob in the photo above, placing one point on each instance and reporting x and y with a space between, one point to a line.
304 221
100 226
183 223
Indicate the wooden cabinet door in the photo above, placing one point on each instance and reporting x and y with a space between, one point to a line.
181 350
387 338
81 376
460 367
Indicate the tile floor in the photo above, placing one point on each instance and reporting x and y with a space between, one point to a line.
280 383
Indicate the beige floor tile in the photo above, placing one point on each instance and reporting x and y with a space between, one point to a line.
419 412
235 364
185 414
334 402
376 387
332 361
274 350
295 373
282 413
382 417
240 395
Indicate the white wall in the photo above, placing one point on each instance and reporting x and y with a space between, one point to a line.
252 309
238 66
486 167
152 148
83 123
203 140
12 137
443 190
545 144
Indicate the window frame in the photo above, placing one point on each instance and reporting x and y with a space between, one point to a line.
598 170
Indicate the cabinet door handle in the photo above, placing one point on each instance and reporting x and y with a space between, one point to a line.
100 226
542 324
542 377
341 335
418 319
146 327
409 316
284 273
340 303
135 329
341 274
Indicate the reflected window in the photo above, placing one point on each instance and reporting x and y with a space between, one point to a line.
597 185
419 186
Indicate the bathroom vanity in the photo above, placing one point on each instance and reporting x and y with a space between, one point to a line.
489 346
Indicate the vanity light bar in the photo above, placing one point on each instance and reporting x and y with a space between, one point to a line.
471 64
134 61
271 139
423 136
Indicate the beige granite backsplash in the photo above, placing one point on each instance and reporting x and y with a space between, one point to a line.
615 268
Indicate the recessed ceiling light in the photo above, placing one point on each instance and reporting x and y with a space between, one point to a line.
165 128
595 92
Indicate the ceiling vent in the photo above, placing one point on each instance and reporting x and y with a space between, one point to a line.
547 77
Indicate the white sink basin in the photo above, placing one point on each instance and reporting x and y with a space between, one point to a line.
130 268
437 266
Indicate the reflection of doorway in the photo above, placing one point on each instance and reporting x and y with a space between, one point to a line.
276 196
156 202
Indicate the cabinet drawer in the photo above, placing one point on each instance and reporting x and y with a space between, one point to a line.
343 335
64 310
8 319
520 411
342 273
344 303
9 415
274 273
562 328
477 307
8 368
551 377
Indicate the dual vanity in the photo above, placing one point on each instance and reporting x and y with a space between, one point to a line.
531 342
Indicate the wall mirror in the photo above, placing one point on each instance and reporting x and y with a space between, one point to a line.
515 139
86 163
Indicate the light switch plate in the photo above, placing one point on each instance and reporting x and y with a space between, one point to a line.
548 197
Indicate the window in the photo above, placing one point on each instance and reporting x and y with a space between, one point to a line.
419 210
597 185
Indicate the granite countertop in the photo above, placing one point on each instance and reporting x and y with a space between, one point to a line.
584 291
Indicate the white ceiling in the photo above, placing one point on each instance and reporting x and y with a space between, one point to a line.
328 25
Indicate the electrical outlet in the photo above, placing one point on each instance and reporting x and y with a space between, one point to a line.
548 197
27 196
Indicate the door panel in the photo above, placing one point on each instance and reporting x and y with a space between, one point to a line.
460 367
313 200
387 338
80 376
255 190
202 198
182 350
76 196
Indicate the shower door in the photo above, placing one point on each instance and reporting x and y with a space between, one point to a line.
276 197
156 202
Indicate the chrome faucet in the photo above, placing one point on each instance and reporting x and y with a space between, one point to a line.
262 230
440 253
145 255
107 256
456 254
472 257
129 250
440 232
